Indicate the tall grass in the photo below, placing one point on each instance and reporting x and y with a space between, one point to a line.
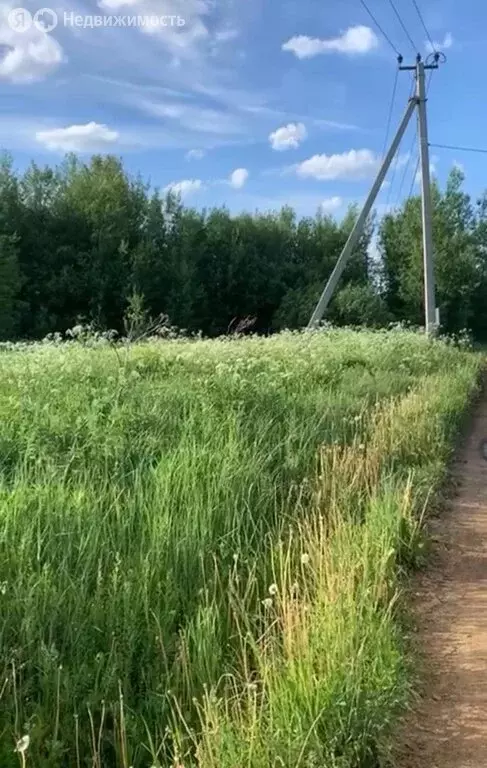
201 544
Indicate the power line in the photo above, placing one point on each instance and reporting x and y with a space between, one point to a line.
399 17
395 165
406 167
460 149
385 35
413 180
391 107
433 46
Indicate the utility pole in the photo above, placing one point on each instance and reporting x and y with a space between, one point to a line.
424 152
418 101
430 310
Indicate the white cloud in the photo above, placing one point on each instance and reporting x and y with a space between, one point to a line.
356 40
355 164
226 34
193 118
288 136
221 38
320 123
433 169
238 178
195 154
331 204
90 137
401 160
183 41
26 56
374 250
382 209
440 46
185 187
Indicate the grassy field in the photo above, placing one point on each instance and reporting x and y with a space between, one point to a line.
202 543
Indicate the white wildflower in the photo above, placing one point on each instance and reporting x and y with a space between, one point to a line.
23 744
304 558
267 603
273 589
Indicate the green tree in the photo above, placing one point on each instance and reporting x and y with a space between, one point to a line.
456 257
317 245
360 305
112 207
78 240
10 283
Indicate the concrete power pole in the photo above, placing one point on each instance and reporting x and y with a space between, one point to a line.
418 101
424 153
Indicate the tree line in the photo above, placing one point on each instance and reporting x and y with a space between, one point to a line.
83 241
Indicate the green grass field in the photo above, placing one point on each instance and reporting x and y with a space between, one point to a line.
202 544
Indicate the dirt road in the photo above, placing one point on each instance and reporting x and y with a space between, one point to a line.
448 727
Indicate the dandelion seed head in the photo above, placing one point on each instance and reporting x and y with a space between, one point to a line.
273 589
304 558
267 603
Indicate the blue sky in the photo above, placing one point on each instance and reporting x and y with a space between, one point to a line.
249 103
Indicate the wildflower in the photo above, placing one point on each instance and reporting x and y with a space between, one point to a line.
22 744
267 603
273 589
304 558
